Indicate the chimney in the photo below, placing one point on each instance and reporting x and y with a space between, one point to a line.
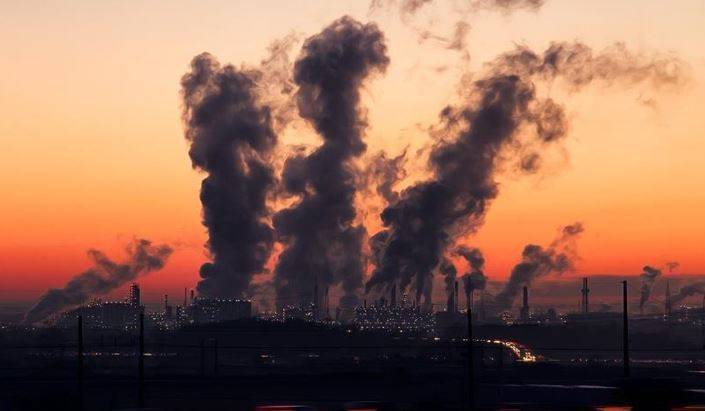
668 299
185 293
585 305
193 295
393 296
315 298
524 312
166 302
450 303
457 301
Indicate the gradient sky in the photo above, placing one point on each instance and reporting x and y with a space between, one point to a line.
93 150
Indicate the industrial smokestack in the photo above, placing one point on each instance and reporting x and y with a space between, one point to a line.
193 295
393 297
490 128
524 312
537 262
585 305
668 299
457 301
315 298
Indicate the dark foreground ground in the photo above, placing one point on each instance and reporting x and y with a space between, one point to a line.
530 387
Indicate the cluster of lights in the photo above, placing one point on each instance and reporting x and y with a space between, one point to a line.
400 319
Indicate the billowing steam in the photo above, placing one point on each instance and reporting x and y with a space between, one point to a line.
320 237
689 290
232 136
648 278
104 276
383 172
475 279
502 119
538 262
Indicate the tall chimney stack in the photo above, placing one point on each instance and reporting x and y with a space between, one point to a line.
524 313
668 299
457 301
315 298
393 297
585 305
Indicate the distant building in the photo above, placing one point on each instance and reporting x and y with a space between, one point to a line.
400 319
211 310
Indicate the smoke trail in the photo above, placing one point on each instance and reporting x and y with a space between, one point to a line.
104 276
539 262
648 278
410 7
231 138
383 172
475 279
500 109
689 290
318 232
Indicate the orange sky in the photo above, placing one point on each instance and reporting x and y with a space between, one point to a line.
93 151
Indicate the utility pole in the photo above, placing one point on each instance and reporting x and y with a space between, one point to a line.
625 331
140 364
79 361
471 376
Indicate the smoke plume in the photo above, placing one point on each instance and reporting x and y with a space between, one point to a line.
104 276
538 262
672 266
648 278
383 172
689 290
231 136
318 231
501 114
410 7
475 279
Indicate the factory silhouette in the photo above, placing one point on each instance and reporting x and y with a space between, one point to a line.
299 305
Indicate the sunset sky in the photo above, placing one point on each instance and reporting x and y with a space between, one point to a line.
93 152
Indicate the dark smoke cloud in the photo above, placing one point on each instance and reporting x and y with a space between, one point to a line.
475 279
687 291
318 232
501 115
104 276
672 266
232 137
384 172
538 262
578 65
648 278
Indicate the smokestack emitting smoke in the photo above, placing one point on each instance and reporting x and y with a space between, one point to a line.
232 138
537 262
475 279
501 108
319 231
449 273
648 278
104 276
